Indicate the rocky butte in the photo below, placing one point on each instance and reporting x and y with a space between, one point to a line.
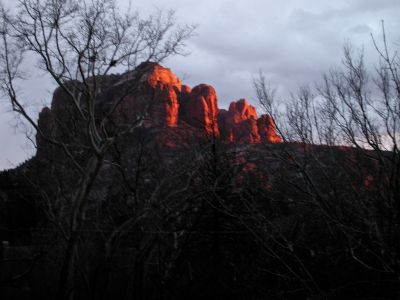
168 105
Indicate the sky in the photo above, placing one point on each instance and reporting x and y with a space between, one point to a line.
291 41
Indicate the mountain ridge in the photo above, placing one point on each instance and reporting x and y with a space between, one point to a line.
167 103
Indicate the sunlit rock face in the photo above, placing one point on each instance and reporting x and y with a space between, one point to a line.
156 96
267 130
170 109
167 88
201 109
239 123
240 111
158 76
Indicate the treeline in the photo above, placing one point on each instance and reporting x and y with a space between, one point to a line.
205 222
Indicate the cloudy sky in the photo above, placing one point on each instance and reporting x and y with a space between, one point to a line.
291 41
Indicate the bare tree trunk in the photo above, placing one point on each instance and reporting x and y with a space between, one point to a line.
77 217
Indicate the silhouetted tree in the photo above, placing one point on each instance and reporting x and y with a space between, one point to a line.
341 169
77 43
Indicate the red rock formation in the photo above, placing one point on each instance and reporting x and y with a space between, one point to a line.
240 111
201 109
167 104
267 130
158 76
225 129
183 101
162 88
239 124
156 96
186 89
246 132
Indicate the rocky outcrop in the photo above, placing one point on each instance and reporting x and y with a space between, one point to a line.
156 96
184 99
169 107
165 90
201 109
240 124
267 130
61 122
241 111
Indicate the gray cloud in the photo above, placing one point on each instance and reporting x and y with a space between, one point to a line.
292 41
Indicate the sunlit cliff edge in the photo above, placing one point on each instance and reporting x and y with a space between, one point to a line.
166 103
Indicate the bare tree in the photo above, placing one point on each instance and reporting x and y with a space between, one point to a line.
343 159
78 43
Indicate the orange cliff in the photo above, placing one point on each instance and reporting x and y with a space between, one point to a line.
267 130
201 109
198 107
167 103
167 88
240 124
